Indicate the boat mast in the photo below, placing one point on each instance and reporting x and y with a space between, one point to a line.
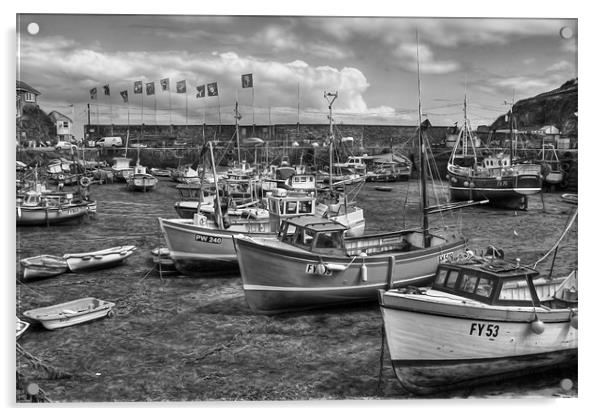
237 117
425 222
218 206
334 96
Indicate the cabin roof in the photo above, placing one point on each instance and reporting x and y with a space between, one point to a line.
498 268
313 222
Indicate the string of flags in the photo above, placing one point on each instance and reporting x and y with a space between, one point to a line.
209 90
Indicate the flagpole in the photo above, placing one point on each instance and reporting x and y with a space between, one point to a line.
204 120
219 114
298 100
253 106
155 109
186 93
110 109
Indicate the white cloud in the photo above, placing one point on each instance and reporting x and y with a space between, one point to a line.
428 64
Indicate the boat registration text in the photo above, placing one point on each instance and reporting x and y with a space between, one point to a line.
487 330
208 239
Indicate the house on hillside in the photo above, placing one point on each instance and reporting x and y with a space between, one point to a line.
26 95
63 124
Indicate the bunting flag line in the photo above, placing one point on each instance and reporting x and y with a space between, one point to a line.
181 87
164 84
124 95
138 87
107 89
247 80
150 88
212 89
200 91
93 93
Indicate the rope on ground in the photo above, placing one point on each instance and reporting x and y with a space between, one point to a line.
53 372
382 358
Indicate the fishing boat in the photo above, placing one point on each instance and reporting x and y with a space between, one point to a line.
551 168
482 320
185 174
41 267
98 259
496 177
139 180
121 168
37 207
311 263
70 313
163 173
389 168
21 327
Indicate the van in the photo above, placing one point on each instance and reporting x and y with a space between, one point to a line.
109 142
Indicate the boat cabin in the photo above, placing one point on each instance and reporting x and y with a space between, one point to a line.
495 282
283 204
314 234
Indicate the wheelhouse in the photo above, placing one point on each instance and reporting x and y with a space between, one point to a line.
313 234
494 283
291 205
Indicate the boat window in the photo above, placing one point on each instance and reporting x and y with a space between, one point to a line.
274 206
330 239
305 207
468 283
451 279
484 287
287 231
291 207
441 275
304 237
311 178
515 290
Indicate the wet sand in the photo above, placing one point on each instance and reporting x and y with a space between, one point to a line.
176 338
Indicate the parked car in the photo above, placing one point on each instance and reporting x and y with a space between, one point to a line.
64 145
140 145
109 142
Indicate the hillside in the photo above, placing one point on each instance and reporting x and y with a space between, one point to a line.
557 107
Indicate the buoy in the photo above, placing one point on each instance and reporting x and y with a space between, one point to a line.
454 180
537 326
575 321
566 384
32 389
364 272
465 183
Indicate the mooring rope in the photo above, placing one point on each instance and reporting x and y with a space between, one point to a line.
566 229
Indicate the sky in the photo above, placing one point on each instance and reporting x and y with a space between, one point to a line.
371 62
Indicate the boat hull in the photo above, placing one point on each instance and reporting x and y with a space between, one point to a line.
276 280
505 191
70 313
99 259
142 183
201 250
50 216
433 347
41 267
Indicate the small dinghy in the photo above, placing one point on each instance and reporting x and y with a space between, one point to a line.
570 198
70 313
384 188
98 259
40 267
21 327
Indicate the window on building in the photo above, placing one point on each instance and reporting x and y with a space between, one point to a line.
29 97
65 124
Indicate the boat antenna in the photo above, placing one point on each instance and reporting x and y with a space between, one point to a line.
425 222
330 97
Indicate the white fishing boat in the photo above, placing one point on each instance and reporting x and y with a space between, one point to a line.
481 320
40 267
49 208
21 327
98 259
139 180
121 168
70 313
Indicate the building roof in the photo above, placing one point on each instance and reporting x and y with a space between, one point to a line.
56 116
23 86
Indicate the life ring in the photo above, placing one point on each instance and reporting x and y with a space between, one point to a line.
565 166
85 181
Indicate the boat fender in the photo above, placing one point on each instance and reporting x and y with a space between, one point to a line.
537 326
472 184
321 268
364 273
465 183
454 180
85 181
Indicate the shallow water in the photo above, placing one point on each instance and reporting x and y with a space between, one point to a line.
175 338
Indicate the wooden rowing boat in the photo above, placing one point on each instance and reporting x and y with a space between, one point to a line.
21 327
98 259
40 267
70 313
